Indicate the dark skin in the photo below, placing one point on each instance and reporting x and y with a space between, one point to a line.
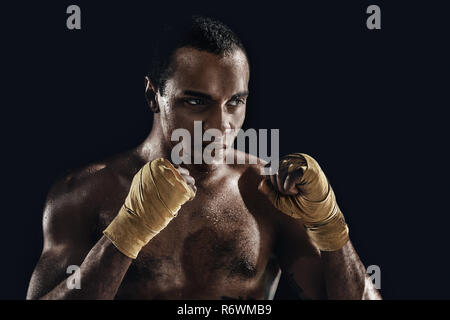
229 242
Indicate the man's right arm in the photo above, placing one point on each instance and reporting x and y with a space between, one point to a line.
69 224
156 195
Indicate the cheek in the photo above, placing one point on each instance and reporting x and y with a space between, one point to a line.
168 118
238 118
176 120
169 115
181 119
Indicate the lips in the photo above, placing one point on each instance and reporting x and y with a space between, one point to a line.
215 145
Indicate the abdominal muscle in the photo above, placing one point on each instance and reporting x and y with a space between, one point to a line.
168 281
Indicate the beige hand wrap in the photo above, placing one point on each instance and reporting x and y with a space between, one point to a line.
156 194
315 204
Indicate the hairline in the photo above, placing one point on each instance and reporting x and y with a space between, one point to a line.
171 67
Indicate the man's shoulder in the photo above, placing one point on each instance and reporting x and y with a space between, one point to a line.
248 170
86 184
77 197
246 163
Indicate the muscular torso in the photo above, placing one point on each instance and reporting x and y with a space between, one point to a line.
219 246
229 242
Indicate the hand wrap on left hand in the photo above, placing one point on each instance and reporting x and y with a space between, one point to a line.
315 203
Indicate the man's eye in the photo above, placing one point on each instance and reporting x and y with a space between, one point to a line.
194 102
236 102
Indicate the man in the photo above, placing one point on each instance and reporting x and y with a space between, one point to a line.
141 228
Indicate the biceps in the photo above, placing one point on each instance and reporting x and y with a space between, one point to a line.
51 270
63 247
300 263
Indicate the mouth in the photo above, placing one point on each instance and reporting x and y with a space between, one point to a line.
215 145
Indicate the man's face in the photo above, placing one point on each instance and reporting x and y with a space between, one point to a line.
205 87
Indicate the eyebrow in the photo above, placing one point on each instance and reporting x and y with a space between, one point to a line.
242 94
198 94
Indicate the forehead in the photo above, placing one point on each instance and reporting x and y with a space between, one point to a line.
206 72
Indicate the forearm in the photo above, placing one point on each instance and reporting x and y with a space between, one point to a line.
101 274
346 277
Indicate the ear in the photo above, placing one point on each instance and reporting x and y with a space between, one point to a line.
150 95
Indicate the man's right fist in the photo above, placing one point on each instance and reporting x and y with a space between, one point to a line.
186 177
156 195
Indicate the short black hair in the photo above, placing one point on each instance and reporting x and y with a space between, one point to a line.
198 32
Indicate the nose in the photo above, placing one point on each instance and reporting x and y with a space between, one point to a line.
218 119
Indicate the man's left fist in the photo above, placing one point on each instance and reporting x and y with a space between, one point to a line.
300 189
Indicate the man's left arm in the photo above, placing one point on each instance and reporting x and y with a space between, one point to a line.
346 277
301 190
311 274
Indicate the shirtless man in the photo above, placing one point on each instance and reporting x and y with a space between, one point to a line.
231 237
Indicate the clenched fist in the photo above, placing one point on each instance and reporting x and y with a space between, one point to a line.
301 190
157 192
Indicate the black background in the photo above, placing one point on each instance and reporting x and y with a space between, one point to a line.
368 105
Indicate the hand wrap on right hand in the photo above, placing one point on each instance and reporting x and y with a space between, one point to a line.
156 194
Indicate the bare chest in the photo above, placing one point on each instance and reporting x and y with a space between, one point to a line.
214 243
